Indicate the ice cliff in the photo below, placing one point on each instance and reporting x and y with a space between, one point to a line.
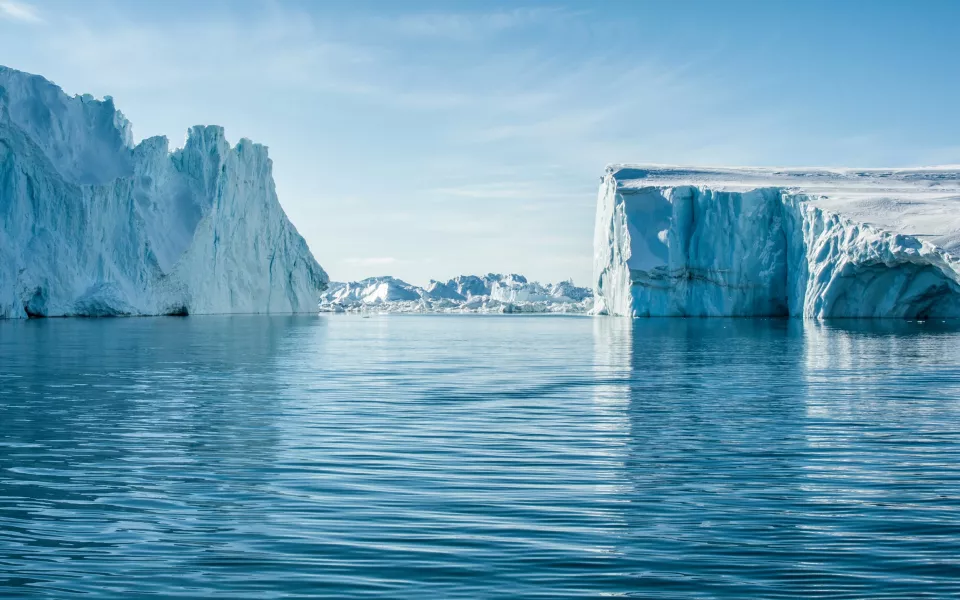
491 293
95 226
673 241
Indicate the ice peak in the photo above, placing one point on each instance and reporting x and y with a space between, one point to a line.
207 138
211 140
156 145
87 140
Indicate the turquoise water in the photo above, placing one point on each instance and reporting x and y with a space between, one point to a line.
478 457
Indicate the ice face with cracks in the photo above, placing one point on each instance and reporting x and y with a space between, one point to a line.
91 225
673 241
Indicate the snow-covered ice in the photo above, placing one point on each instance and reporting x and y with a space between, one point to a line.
819 243
93 225
491 293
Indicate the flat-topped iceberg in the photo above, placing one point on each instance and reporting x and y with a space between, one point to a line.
672 241
491 293
91 225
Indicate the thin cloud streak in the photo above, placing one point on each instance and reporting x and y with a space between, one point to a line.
466 26
19 11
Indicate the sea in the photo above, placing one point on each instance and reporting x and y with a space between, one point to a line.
478 456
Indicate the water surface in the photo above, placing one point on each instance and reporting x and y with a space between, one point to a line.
478 457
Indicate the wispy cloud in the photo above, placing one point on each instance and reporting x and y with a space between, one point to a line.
471 25
19 11
281 51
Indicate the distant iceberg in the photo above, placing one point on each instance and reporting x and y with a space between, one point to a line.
91 225
491 293
673 241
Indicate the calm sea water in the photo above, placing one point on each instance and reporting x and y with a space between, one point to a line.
478 457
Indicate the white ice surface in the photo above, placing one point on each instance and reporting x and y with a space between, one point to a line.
922 202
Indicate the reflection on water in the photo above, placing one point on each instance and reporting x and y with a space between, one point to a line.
473 456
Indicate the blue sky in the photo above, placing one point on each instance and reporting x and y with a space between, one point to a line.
429 139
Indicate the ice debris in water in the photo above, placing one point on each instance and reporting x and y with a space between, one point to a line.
492 293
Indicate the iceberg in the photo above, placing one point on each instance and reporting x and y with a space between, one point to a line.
491 293
93 225
812 243
373 290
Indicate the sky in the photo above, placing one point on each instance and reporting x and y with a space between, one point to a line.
430 139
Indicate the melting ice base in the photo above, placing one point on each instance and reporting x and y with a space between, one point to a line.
762 242
91 225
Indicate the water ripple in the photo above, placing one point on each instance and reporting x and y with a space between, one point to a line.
478 457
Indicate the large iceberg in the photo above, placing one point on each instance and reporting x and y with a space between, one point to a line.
93 225
673 241
491 293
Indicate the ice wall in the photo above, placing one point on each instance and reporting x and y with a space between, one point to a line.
91 225
755 242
